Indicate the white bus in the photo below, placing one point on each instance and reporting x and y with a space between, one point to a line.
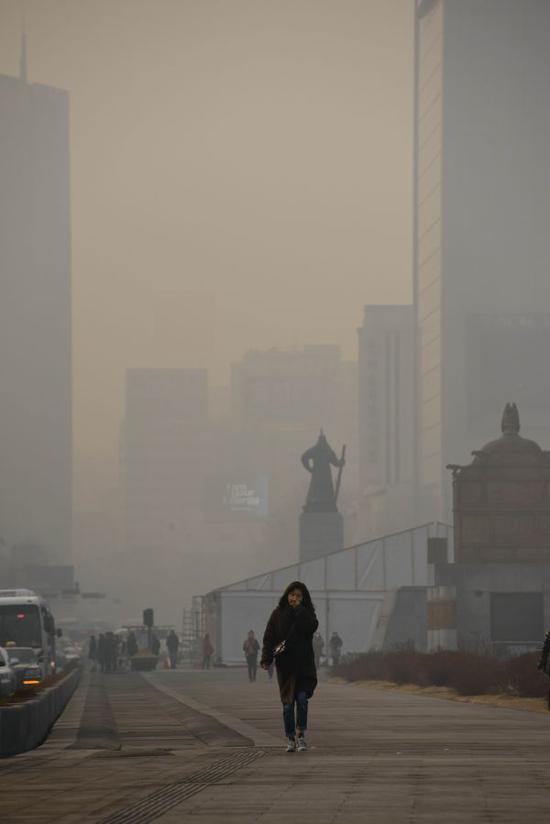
27 628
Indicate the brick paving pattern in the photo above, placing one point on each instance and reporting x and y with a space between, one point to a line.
376 756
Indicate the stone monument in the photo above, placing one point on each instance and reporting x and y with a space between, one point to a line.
502 500
321 525
496 594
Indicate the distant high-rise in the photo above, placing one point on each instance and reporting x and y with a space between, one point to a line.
285 396
162 452
162 475
482 245
280 399
35 317
292 389
386 419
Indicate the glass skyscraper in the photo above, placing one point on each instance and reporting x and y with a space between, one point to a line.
481 220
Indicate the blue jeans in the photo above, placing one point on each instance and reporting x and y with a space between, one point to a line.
300 720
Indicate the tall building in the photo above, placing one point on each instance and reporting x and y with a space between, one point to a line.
280 400
284 389
386 420
482 246
195 504
161 452
35 318
166 411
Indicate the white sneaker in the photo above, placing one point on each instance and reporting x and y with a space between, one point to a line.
291 745
302 746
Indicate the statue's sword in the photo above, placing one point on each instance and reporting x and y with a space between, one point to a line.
339 478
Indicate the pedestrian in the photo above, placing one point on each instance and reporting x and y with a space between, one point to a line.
318 646
122 653
207 651
251 649
288 640
110 656
101 652
131 645
92 652
335 645
544 661
172 645
155 644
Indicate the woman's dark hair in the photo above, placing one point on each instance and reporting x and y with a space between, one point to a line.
306 597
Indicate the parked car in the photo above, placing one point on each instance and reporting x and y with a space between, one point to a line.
71 654
8 680
67 655
28 665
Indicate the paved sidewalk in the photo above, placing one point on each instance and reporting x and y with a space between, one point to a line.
207 747
376 756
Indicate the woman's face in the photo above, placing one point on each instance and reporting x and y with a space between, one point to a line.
295 598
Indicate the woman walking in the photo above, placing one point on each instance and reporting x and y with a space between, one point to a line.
288 641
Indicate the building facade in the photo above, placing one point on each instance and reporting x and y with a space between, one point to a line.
482 249
35 318
194 506
386 419
280 400
496 594
165 419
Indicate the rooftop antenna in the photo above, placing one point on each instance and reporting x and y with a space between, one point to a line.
23 53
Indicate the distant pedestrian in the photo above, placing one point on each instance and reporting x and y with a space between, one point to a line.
172 645
207 651
122 653
131 645
110 652
335 645
318 646
101 652
251 649
92 653
288 640
544 661
155 644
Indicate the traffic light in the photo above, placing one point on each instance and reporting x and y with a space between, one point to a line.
148 618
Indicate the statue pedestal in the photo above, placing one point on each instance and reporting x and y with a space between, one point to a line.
320 534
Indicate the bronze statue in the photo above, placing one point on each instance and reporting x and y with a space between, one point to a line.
321 496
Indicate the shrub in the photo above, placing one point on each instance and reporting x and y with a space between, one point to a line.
368 667
469 673
524 678
404 667
472 674
439 667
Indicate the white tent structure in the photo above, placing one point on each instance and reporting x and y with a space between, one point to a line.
354 591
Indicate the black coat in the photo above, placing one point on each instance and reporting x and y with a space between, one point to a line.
296 665
544 661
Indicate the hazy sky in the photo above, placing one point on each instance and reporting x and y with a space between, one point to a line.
241 177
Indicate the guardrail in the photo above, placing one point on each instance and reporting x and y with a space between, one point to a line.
26 725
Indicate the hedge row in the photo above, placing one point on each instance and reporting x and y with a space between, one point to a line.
466 672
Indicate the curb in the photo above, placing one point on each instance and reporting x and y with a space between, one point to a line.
25 726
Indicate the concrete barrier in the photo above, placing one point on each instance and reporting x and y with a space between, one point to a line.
25 726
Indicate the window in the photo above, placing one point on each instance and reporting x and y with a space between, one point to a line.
20 625
517 617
